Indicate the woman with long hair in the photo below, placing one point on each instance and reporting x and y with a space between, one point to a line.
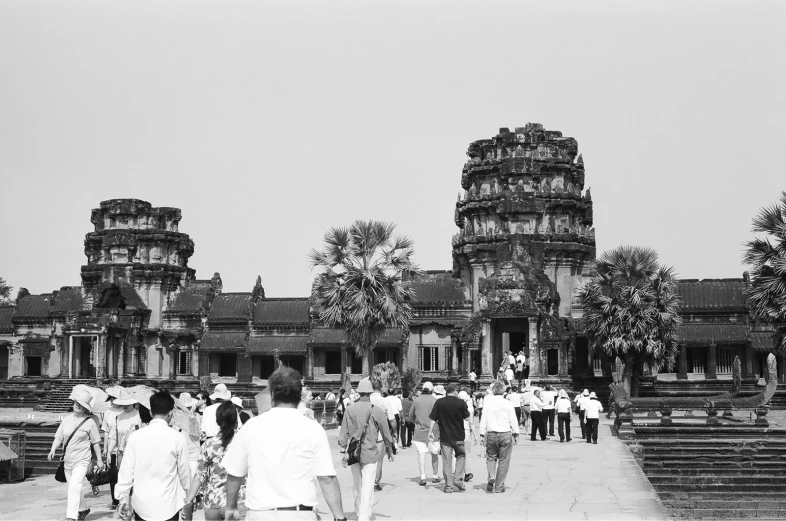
210 473
79 433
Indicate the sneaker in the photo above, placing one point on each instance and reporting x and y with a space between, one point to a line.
460 486
377 487
448 490
113 505
595 442
83 514
468 477
436 479
501 490
422 482
490 486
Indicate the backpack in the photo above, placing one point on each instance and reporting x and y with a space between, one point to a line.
355 444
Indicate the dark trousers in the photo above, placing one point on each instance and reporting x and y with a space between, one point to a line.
407 430
398 427
563 420
583 426
548 416
538 425
448 448
473 385
592 430
113 477
518 415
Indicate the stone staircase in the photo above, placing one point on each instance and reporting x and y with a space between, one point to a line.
57 398
716 472
39 436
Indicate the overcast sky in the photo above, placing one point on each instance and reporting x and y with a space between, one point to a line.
269 122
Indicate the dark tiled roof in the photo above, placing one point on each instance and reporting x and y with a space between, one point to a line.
440 321
6 312
324 335
704 334
219 341
67 299
193 298
438 287
763 341
281 311
34 306
230 306
34 340
709 295
265 345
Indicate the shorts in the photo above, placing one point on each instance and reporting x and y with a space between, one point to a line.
420 446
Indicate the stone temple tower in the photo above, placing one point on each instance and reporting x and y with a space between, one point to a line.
136 250
524 245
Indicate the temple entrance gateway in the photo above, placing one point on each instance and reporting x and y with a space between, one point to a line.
510 334
552 363
82 365
3 362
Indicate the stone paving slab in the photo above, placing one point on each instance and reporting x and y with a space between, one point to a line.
547 480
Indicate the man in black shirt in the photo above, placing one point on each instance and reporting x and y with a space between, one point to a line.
450 412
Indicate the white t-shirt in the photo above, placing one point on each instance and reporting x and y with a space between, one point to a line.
394 404
511 360
472 376
78 452
592 409
520 361
515 399
282 453
548 397
509 374
209 424
124 425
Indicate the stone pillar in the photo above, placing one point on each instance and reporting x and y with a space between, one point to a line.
453 355
712 363
344 360
309 362
781 370
100 356
276 359
747 367
682 363
70 356
535 366
174 361
121 360
244 368
562 370
485 350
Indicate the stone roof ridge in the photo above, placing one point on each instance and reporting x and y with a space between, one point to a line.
268 299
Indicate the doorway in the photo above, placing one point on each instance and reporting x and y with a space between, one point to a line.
4 362
32 366
509 334
227 365
552 361
293 362
82 363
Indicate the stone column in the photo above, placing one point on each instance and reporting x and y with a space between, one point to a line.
245 367
682 363
747 367
174 361
712 363
100 356
310 362
70 356
563 359
344 359
453 355
781 370
535 365
121 360
485 350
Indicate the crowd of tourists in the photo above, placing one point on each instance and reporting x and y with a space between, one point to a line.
165 456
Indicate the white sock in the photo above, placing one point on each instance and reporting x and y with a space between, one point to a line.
422 476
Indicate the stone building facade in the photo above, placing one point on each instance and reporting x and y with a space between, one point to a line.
524 248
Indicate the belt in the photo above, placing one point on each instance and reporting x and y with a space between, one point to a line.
298 508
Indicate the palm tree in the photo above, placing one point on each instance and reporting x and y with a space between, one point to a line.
362 285
631 310
767 257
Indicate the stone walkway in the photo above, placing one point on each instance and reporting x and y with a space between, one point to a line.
547 480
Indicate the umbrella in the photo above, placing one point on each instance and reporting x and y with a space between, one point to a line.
100 403
263 401
6 453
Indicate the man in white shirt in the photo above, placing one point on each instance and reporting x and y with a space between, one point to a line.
563 415
155 465
284 455
511 361
380 401
592 410
549 397
509 376
394 404
209 426
515 398
498 431
521 361
536 409
473 381
582 402
330 395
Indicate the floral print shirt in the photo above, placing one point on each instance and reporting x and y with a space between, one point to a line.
213 476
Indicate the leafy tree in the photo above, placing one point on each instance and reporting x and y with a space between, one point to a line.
5 292
411 378
631 310
362 285
767 257
387 374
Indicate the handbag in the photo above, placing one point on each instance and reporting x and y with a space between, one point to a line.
60 473
355 444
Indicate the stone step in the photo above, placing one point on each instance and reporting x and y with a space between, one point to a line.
728 488
728 513
710 495
655 472
698 481
729 503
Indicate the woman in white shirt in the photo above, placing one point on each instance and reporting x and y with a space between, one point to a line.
538 423
79 431
592 410
563 407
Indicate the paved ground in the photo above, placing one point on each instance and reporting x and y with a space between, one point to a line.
547 480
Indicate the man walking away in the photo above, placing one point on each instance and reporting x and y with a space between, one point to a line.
284 455
592 410
536 409
498 431
420 414
563 415
382 402
470 434
364 415
473 381
515 398
583 399
520 363
394 404
549 396
407 427
450 413
155 465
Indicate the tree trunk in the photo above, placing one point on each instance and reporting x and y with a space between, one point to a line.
636 374
366 364
627 374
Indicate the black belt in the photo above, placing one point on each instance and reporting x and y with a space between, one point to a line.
298 508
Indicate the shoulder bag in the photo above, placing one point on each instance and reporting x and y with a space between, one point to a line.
60 474
355 444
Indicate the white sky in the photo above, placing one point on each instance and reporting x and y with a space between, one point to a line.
269 122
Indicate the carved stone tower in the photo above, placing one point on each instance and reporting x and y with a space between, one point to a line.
138 246
525 241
